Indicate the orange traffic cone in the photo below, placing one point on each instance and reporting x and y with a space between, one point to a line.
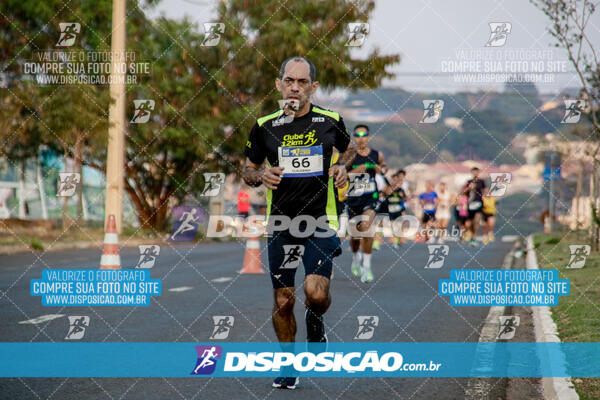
110 252
252 263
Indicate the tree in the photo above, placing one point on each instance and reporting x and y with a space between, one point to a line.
63 117
569 21
206 98
76 119
20 132
70 118
202 91
19 126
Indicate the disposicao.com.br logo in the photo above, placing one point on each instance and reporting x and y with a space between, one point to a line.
309 362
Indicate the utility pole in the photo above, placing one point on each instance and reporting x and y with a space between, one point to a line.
116 132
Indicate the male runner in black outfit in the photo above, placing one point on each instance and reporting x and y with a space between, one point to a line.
297 143
475 189
393 201
371 162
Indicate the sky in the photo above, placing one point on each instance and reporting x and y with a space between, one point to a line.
436 37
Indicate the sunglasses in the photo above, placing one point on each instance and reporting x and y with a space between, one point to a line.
361 133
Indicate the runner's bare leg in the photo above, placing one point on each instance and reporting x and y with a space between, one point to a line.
316 288
284 321
364 226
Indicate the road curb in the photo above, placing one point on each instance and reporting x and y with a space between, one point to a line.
479 388
546 331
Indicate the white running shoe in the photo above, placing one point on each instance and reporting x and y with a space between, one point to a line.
356 268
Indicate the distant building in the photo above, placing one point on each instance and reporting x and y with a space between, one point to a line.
454 123
551 105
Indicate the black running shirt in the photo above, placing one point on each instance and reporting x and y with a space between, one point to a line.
369 191
303 146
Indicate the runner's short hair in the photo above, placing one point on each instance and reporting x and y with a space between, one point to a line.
362 126
311 66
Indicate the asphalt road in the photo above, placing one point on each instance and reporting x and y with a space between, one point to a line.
403 296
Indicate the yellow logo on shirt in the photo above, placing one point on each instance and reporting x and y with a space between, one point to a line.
299 139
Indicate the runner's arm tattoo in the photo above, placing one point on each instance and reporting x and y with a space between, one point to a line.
252 174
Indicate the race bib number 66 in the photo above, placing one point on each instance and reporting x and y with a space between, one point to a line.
300 162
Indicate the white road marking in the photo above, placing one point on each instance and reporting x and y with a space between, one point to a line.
222 279
509 238
42 318
180 289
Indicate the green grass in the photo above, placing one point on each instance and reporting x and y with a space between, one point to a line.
553 240
578 314
36 244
